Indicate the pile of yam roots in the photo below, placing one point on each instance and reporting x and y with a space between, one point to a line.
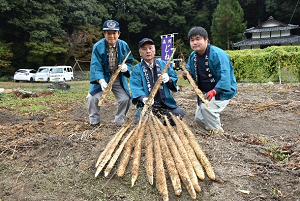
177 148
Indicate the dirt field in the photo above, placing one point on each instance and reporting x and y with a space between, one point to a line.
257 158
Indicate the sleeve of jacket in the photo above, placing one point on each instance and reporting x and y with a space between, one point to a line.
221 69
125 50
136 84
172 85
190 65
97 63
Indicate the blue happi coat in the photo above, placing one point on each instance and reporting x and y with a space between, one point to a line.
138 84
222 70
99 68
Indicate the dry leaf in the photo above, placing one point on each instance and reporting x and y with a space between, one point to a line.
244 191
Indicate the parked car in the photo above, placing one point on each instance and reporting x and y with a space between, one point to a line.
61 74
43 74
25 75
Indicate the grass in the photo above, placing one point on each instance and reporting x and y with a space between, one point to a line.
47 103
51 103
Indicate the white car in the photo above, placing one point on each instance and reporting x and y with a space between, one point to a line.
43 74
25 75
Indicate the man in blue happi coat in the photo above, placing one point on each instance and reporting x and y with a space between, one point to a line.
142 80
213 72
107 55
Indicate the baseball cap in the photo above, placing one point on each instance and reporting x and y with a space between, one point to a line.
111 25
144 40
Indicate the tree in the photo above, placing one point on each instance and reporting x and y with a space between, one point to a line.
227 23
5 56
286 11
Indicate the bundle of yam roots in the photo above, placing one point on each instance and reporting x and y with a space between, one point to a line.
177 148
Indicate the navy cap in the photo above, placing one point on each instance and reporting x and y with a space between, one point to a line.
111 25
145 40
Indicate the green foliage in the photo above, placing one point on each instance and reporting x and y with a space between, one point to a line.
227 24
260 65
41 52
5 54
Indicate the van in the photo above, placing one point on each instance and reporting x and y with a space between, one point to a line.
43 74
61 74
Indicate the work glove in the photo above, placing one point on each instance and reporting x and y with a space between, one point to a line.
211 94
165 77
124 68
145 100
184 74
103 84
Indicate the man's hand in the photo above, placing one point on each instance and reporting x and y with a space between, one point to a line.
103 84
124 68
145 100
211 94
184 74
165 77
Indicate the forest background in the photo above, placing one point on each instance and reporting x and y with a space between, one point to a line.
55 32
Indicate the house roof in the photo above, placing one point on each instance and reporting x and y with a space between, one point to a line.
268 41
280 26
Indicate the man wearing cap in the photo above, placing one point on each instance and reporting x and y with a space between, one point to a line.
142 80
107 55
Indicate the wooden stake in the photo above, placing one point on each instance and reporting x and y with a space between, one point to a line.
112 80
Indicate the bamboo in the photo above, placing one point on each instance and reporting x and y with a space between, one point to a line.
168 158
117 154
149 155
155 88
159 167
137 154
111 150
111 81
199 152
192 156
184 155
195 87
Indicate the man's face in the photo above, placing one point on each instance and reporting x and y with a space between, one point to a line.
147 52
198 44
111 37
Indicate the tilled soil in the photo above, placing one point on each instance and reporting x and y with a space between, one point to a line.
256 158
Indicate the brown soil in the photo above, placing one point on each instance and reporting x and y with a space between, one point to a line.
257 158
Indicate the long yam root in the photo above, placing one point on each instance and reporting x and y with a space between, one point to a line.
168 158
184 155
159 166
179 162
199 152
192 156
111 150
137 154
149 155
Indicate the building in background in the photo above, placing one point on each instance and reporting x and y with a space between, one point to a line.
270 33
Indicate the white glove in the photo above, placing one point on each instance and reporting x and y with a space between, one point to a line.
145 100
165 77
124 68
103 84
